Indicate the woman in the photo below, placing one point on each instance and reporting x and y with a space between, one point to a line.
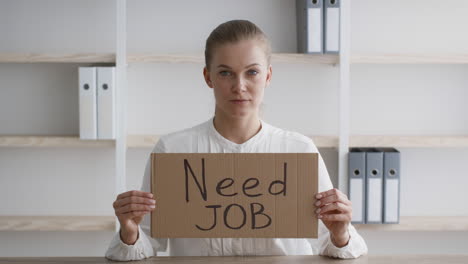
237 57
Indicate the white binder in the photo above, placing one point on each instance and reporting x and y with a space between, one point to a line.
374 188
309 26
332 26
391 186
357 184
87 102
106 102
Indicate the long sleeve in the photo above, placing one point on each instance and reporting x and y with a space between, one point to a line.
120 251
355 247
323 245
145 246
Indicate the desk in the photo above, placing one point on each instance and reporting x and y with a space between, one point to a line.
426 259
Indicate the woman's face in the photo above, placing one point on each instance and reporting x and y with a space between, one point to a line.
239 73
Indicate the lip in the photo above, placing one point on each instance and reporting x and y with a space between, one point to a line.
240 101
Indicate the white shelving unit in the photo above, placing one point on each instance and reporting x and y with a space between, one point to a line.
121 99
345 60
54 222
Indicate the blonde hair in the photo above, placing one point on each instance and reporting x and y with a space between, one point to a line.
232 32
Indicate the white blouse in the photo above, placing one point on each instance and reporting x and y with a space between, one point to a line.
204 138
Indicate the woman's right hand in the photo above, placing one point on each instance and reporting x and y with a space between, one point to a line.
130 207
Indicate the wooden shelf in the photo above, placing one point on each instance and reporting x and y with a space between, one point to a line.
141 141
199 58
148 141
421 223
325 141
330 59
409 59
57 223
409 141
57 58
38 141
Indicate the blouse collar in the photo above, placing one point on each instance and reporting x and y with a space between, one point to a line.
227 143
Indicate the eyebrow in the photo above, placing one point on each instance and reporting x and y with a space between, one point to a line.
225 66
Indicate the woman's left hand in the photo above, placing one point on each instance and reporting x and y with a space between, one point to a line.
335 211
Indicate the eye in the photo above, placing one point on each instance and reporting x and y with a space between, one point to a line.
225 73
252 72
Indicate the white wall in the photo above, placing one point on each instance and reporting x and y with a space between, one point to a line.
31 96
66 26
41 99
179 89
416 26
409 99
183 26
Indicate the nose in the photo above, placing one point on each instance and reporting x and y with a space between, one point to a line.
239 85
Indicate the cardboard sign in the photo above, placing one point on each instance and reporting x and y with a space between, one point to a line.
249 195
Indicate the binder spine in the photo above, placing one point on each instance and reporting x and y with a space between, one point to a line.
301 25
106 102
87 102
391 176
374 188
332 26
309 16
356 176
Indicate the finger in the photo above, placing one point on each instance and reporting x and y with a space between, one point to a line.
337 207
134 207
135 193
327 200
324 194
133 199
333 199
133 214
335 196
335 217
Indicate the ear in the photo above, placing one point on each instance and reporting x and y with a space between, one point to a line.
207 76
268 77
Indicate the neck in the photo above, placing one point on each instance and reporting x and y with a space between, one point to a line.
237 130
